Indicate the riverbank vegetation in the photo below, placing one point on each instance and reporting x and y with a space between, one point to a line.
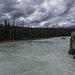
13 32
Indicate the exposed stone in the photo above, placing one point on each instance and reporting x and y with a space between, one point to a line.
63 38
72 44
74 57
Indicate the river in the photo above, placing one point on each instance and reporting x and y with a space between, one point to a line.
37 57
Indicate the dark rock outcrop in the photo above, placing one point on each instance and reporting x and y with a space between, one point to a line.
72 44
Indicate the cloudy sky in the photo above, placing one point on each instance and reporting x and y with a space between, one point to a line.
41 12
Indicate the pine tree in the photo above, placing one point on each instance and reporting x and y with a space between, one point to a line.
8 24
13 23
5 23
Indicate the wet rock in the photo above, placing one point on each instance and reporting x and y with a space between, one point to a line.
63 38
74 57
72 44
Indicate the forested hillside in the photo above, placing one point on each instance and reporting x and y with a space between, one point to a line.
12 32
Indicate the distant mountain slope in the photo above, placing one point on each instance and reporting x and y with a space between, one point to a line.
71 26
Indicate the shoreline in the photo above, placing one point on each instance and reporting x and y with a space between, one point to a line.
27 39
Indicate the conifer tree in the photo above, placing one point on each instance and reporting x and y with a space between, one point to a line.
8 24
13 23
5 23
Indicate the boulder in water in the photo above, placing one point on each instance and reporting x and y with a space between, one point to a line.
72 44
63 38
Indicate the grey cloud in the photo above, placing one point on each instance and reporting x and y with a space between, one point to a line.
17 14
35 10
8 6
51 13
69 5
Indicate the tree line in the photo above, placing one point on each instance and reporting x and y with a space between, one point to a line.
13 32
